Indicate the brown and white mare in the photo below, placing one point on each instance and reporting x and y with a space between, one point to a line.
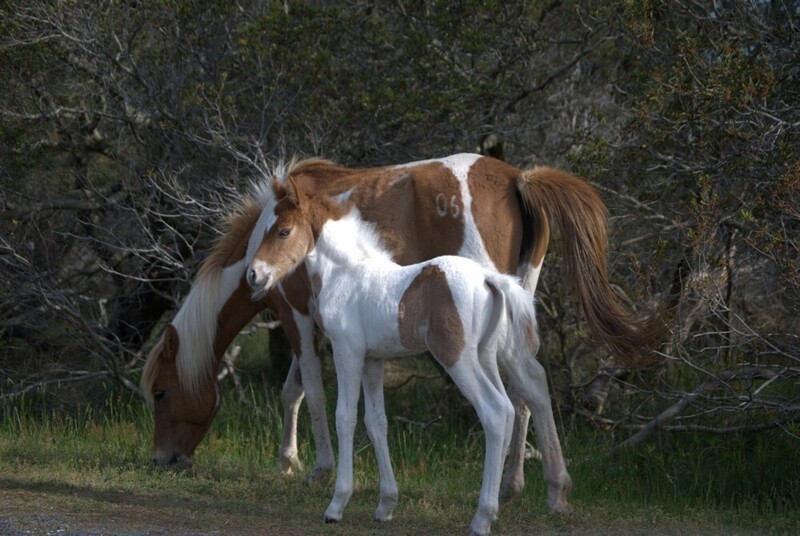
467 205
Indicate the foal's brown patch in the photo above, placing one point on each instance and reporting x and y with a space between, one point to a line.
428 301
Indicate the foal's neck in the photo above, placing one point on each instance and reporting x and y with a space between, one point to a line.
345 243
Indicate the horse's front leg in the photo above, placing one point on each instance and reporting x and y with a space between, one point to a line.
377 429
349 363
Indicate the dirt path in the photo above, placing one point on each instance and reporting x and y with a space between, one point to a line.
67 511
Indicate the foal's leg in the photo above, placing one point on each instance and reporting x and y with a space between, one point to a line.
494 411
488 357
311 372
349 370
377 429
529 379
291 397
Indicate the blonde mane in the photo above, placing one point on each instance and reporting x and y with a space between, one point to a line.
150 372
196 320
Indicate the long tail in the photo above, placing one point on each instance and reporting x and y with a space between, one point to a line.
551 195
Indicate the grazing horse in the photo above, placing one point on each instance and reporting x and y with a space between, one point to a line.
179 376
470 318
466 205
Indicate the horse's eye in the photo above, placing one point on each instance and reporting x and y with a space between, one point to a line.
158 395
283 233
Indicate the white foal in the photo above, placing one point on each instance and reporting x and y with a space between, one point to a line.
469 318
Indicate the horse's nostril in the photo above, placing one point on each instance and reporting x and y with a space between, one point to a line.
251 277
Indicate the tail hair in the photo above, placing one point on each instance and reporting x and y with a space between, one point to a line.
579 213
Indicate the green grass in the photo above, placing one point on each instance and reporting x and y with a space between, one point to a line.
89 471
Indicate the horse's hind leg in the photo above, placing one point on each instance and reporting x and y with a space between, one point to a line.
529 380
514 476
377 429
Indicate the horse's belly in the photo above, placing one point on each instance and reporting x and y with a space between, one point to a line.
388 348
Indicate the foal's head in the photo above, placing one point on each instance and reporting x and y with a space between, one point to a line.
290 236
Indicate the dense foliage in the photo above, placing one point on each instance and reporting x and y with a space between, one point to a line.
127 127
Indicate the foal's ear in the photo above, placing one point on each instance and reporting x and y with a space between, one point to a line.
278 188
171 344
291 192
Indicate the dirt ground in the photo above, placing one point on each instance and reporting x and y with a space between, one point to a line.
73 512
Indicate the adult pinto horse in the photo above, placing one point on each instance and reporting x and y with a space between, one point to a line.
471 319
467 205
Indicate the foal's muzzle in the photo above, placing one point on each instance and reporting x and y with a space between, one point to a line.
258 278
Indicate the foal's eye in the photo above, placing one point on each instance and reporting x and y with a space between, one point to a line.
283 233
158 395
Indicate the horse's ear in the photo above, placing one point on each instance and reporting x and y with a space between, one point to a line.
291 191
171 344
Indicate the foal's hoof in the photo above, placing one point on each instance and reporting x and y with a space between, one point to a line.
382 517
332 515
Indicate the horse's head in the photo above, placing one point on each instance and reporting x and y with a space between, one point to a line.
181 417
289 237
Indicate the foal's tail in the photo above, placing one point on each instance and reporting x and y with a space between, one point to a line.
516 302
550 195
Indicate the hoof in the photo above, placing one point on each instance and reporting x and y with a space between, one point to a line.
330 520
318 475
509 491
561 509
290 466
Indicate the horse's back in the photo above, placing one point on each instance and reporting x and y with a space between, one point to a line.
464 205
